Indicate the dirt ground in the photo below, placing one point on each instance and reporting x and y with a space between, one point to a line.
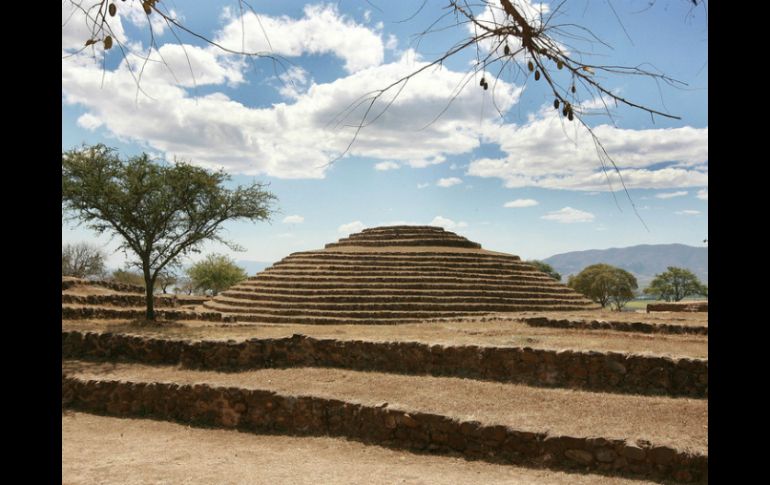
680 423
488 333
105 450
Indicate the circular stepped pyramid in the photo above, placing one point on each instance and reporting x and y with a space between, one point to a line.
394 274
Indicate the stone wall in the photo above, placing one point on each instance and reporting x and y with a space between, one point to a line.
698 306
101 313
124 287
118 300
267 412
597 371
641 327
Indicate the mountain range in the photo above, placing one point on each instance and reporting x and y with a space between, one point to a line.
643 261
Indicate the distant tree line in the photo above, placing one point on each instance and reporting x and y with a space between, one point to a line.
609 285
211 275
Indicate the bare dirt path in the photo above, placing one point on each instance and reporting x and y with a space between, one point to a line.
105 450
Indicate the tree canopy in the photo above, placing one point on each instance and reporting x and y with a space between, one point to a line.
675 284
82 260
161 212
215 273
546 268
605 284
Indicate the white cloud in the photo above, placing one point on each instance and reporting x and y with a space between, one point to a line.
447 223
703 194
670 195
422 186
568 215
351 227
382 166
392 42
687 212
521 203
285 140
295 219
187 65
426 162
538 154
89 121
322 30
448 182
295 80
135 14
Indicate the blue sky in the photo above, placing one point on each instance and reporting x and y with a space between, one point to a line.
524 182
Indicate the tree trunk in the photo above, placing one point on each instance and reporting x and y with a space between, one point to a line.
149 285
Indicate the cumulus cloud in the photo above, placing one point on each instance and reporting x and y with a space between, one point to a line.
447 223
322 30
89 121
448 182
295 219
382 166
568 215
422 186
351 227
295 80
521 203
671 195
285 140
687 212
537 154
703 194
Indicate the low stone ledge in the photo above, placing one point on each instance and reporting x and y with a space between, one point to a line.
641 327
102 313
698 306
595 371
265 411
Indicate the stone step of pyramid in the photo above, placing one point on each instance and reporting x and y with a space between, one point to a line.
447 284
403 271
381 310
405 242
402 228
347 265
470 281
247 291
210 454
313 318
636 436
248 298
430 255
484 306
